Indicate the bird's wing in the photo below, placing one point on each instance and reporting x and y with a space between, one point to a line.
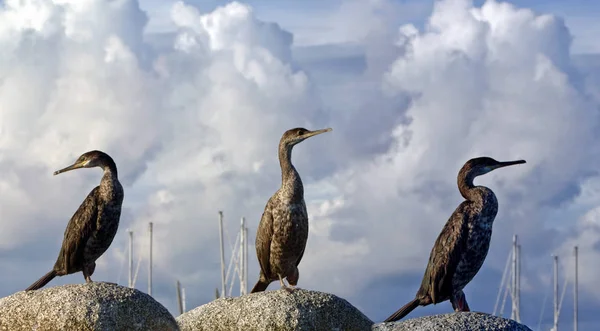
300 257
302 252
446 254
79 230
264 234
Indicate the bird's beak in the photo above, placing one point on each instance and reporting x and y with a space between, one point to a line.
314 133
508 163
71 167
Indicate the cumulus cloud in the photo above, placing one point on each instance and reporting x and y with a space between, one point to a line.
494 80
194 129
68 87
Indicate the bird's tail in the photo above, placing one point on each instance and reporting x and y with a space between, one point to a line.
42 281
260 286
407 308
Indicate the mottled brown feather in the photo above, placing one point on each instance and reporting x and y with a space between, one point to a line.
463 244
78 231
282 233
444 258
93 226
264 233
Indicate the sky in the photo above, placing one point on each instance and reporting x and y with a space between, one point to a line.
191 98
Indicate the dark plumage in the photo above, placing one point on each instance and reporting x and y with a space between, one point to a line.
283 229
93 226
462 246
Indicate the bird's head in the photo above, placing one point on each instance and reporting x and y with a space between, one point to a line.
294 136
87 160
482 165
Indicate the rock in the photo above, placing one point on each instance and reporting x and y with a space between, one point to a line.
94 306
276 310
453 321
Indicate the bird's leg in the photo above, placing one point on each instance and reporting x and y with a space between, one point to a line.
87 277
88 270
459 302
293 279
283 286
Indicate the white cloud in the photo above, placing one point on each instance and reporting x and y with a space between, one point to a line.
194 129
494 81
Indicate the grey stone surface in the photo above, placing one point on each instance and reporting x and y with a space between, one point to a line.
276 310
94 306
464 321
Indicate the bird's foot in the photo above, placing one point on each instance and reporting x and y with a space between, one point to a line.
88 280
288 288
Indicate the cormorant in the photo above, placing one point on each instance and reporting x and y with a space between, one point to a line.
93 226
462 246
283 229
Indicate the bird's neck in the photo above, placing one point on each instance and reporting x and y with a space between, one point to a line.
109 167
466 187
290 179
109 184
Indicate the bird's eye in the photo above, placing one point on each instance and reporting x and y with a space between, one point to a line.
300 132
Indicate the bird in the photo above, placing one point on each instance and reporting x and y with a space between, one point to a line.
283 228
92 228
462 245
